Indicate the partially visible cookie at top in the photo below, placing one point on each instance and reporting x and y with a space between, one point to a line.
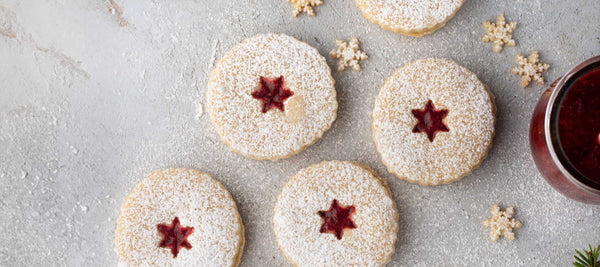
336 213
179 217
410 17
433 122
271 96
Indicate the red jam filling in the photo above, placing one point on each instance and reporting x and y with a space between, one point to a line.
175 236
336 219
579 125
272 93
430 120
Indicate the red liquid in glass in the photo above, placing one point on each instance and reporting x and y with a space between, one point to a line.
552 133
579 125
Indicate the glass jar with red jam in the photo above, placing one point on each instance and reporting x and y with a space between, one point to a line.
565 133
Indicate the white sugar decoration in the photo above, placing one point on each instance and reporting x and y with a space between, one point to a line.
348 54
499 33
502 223
305 6
530 68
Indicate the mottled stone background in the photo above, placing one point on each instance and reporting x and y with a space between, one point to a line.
96 94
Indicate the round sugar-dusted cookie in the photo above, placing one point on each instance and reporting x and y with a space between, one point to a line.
271 96
336 213
179 217
433 122
410 17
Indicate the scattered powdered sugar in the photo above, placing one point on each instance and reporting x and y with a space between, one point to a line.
313 189
73 149
452 154
238 117
198 201
83 208
415 17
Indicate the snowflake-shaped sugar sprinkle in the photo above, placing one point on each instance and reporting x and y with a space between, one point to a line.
499 33
305 6
530 68
502 223
348 54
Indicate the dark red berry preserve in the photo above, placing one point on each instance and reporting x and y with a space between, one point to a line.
579 125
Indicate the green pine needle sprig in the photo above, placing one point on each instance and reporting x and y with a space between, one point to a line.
588 258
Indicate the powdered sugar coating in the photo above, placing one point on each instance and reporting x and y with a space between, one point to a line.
238 117
297 224
199 201
452 154
410 17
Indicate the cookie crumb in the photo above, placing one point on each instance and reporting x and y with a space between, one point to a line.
348 54
530 68
499 33
199 111
502 223
305 6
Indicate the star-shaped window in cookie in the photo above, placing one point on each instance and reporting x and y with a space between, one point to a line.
272 93
337 219
175 236
502 223
348 54
305 6
499 33
430 120
530 68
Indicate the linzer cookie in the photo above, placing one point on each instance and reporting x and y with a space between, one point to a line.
271 96
410 17
336 213
179 217
433 122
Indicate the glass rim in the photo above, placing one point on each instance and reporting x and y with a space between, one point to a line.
550 127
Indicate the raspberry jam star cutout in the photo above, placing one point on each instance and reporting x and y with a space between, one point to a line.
336 219
431 120
272 93
175 236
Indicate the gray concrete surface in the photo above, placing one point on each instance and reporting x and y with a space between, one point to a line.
93 97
